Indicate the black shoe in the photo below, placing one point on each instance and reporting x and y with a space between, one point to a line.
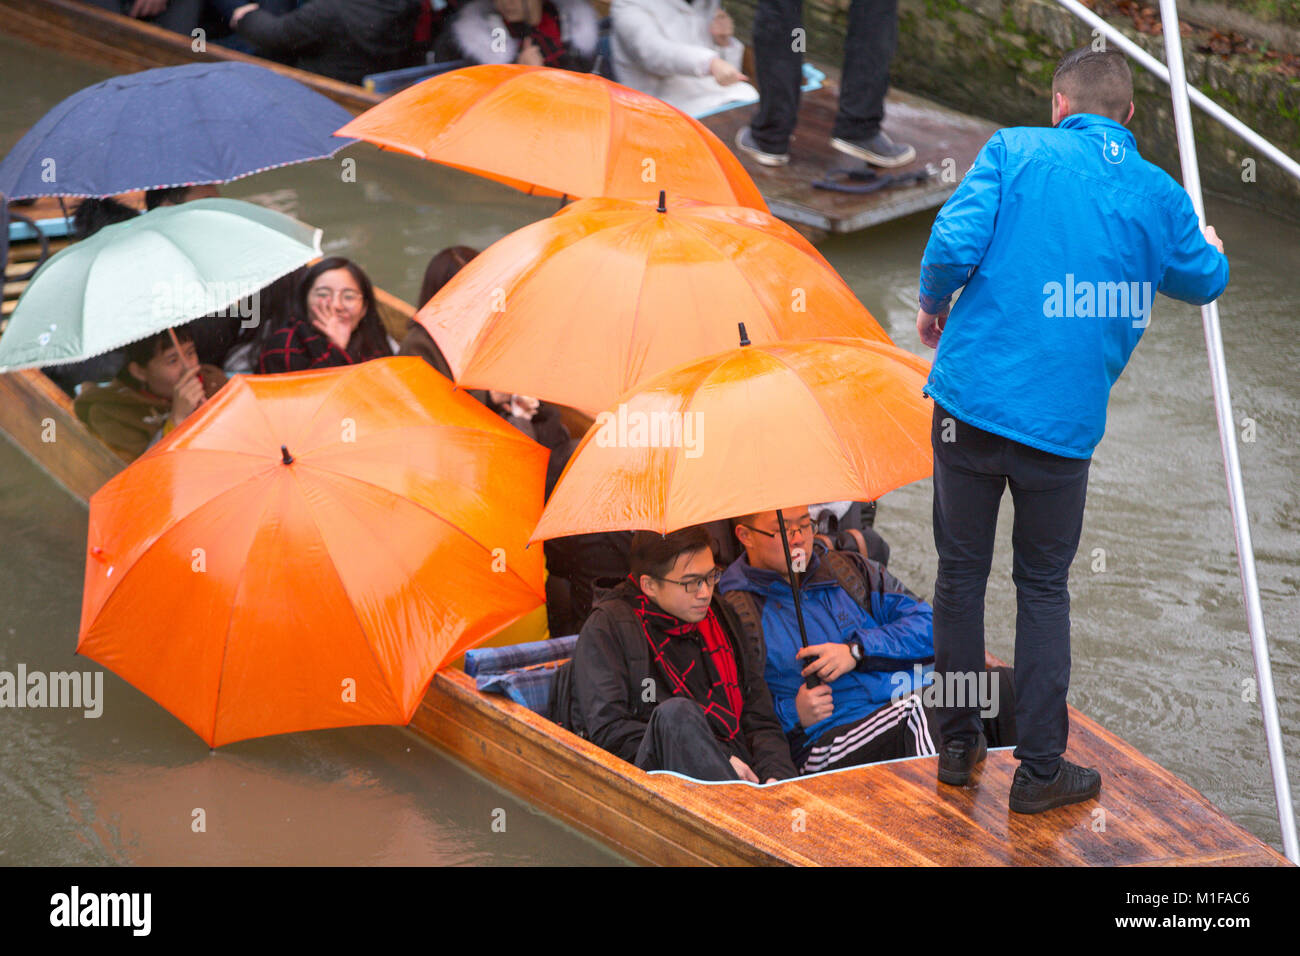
745 143
958 758
878 150
1072 784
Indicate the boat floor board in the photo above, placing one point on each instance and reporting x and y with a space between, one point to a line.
882 814
944 138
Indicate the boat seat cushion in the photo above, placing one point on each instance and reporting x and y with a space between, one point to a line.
523 672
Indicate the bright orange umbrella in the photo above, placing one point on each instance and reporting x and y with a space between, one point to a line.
758 428
580 307
553 132
308 549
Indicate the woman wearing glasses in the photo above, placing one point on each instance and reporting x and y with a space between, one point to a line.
337 322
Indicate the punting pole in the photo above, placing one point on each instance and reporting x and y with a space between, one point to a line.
1228 441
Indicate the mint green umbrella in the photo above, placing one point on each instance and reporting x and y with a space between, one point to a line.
143 276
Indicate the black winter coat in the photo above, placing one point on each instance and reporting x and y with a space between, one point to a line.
342 39
611 662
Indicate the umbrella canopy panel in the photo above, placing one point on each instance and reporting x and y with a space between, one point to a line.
250 596
580 307
174 126
160 269
554 132
754 429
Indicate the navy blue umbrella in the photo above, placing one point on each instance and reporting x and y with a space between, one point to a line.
175 126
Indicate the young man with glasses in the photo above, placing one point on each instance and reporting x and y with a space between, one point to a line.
660 678
869 638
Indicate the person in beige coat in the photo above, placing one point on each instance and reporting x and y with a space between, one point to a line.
683 52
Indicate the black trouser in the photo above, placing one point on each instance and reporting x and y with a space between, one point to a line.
1048 491
679 738
868 48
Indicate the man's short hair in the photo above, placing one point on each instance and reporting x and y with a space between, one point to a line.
1096 81
147 349
655 554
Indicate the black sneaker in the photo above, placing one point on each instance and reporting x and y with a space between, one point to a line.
1072 784
958 758
878 150
745 143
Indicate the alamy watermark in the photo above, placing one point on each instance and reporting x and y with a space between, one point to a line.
78 690
230 299
951 689
637 429
1084 299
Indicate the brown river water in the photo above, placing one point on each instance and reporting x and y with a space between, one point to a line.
1161 653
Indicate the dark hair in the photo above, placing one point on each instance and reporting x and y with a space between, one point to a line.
441 268
145 350
277 306
374 339
655 554
94 213
171 195
1096 81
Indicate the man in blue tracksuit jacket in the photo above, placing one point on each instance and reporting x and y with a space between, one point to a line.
869 641
1060 238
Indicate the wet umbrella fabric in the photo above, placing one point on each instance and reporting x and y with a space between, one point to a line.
155 271
174 126
307 549
554 132
758 428
582 306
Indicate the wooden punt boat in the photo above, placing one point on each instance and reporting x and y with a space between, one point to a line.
893 813
946 141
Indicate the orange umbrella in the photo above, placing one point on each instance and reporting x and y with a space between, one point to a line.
553 132
758 428
580 307
307 549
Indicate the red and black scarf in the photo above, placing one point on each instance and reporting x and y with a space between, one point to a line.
723 702
546 36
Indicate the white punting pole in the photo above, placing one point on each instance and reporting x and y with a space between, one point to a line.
1228 440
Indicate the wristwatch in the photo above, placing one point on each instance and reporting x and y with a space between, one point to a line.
855 648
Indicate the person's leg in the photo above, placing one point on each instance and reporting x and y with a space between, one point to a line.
779 68
898 729
1049 493
868 50
181 16
1000 726
679 738
968 485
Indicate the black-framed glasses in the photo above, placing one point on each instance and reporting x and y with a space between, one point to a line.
693 584
804 527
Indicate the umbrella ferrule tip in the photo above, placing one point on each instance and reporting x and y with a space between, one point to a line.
285 456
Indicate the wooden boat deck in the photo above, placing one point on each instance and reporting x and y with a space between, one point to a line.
883 814
944 139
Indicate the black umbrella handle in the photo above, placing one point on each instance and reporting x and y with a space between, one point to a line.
812 680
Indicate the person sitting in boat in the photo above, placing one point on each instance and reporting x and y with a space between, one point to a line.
870 645
660 679
179 195
157 390
179 16
342 39
559 33
683 51
337 324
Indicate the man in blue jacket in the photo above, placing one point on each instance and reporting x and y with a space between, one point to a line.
870 646
1060 237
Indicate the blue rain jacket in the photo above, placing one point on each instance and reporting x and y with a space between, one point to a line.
897 628
1060 236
